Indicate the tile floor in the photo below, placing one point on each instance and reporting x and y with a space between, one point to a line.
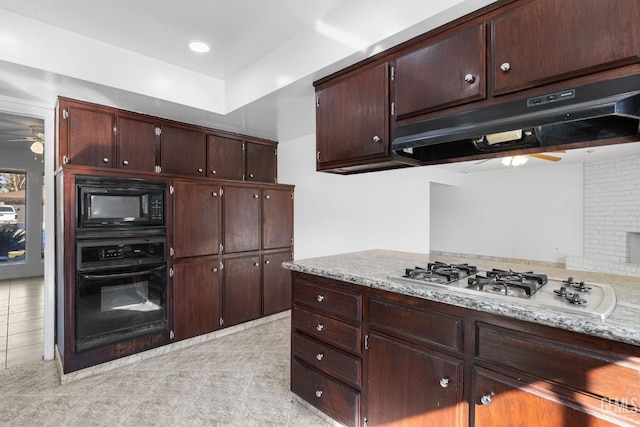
21 321
241 379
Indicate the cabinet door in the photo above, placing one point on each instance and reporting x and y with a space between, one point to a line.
197 296
242 290
446 73
260 162
277 218
241 219
136 143
225 158
196 220
184 151
86 135
548 40
276 283
351 118
427 390
499 400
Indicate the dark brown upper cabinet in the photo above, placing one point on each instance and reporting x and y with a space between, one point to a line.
260 162
225 158
241 219
277 218
183 151
197 210
86 134
137 143
444 73
352 119
550 40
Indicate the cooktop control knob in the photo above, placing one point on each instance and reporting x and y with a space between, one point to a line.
562 292
575 299
582 287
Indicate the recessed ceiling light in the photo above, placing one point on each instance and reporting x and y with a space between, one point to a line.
198 46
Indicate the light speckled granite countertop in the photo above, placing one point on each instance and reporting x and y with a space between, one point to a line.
372 268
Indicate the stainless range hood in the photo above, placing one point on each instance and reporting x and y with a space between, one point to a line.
598 111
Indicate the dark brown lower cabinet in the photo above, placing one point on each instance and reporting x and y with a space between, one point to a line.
410 385
276 283
242 290
197 298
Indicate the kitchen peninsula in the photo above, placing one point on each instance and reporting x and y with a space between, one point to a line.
368 349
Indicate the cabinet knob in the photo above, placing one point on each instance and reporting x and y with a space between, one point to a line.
250 175
213 172
215 270
486 399
319 327
255 196
267 196
125 162
444 382
267 262
200 170
320 298
376 138
505 67
256 264
320 356
105 160
319 393
469 78
214 194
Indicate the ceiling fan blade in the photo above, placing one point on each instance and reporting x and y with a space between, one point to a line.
481 162
545 157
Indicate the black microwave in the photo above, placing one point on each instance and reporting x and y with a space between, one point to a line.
120 204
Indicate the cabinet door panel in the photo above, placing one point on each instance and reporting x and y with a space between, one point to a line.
277 218
593 35
436 76
241 219
261 162
90 137
225 158
350 114
413 394
196 220
276 283
242 290
197 298
184 151
136 144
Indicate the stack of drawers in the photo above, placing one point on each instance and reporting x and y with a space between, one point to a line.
327 337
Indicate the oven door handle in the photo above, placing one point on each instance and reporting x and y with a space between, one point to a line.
120 275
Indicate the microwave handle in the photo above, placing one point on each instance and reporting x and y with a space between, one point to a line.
119 275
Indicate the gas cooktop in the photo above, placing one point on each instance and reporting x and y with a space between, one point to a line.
529 288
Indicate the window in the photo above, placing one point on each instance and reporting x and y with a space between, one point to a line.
13 233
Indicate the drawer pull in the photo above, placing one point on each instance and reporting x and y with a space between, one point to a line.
319 393
486 399
444 382
320 298
319 327
320 356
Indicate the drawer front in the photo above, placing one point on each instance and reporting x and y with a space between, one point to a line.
327 359
418 325
327 329
599 374
328 300
336 400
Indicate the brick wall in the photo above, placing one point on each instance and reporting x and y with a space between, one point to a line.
611 208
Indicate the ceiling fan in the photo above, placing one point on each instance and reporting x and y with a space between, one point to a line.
37 139
522 159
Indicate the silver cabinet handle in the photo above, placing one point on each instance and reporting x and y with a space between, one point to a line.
267 196
105 160
255 196
215 270
256 264
486 399
125 162
376 138
319 327
213 172
469 78
444 382
505 67
319 393
200 170
250 175
214 194
267 262
320 356
320 298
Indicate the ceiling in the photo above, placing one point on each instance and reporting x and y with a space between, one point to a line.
264 55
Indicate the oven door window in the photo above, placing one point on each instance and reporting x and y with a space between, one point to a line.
120 304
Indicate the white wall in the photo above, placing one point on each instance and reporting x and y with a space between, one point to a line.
533 213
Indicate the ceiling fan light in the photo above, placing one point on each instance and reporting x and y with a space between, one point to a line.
198 46
37 147
514 161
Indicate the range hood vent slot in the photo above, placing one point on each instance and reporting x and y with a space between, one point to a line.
598 111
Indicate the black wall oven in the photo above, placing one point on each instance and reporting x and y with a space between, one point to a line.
121 290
